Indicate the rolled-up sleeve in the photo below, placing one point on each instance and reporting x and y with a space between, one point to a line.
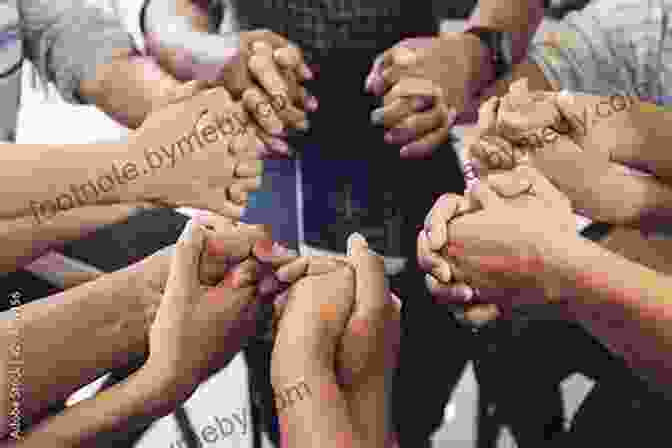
68 39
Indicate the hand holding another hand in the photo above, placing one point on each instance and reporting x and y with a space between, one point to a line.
426 84
341 325
501 238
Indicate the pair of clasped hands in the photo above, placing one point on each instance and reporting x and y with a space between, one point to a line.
264 73
541 156
336 323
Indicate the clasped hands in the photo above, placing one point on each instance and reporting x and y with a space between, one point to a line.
337 324
540 158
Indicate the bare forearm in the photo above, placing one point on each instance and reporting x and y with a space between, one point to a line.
322 419
626 305
42 177
69 339
128 88
130 403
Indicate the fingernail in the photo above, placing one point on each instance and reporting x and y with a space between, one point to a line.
451 116
312 104
307 73
269 285
398 135
463 292
278 129
354 239
377 116
411 149
280 146
281 299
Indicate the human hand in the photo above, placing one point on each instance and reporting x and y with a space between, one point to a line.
499 239
201 152
366 355
217 320
227 244
427 83
553 133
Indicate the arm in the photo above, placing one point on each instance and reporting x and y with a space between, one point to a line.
136 401
91 58
320 420
624 304
90 329
32 190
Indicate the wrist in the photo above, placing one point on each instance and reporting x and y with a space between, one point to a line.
564 262
481 65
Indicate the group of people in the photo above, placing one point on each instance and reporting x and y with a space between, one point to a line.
507 243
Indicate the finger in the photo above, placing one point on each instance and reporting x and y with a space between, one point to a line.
485 195
393 113
487 116
290 58
258 104
374 81
425 146
412 87
183 282
293 271
244 274
269 37
509 184
431 262
447 293
242 187
371 286
436 223
418 124
267 74
249 168
273 253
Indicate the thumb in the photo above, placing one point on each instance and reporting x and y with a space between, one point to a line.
183 279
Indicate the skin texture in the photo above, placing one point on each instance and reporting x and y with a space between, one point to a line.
497 245
570 138
422 123
215 175
107 320
260 66
355 327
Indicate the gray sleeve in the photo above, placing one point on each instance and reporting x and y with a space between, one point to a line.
68 39
610 46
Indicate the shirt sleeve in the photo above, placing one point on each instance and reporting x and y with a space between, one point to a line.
67 39
610 46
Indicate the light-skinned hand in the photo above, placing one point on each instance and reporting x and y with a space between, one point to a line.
356 325
421 116
582 154
201 152
498 239
199 328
